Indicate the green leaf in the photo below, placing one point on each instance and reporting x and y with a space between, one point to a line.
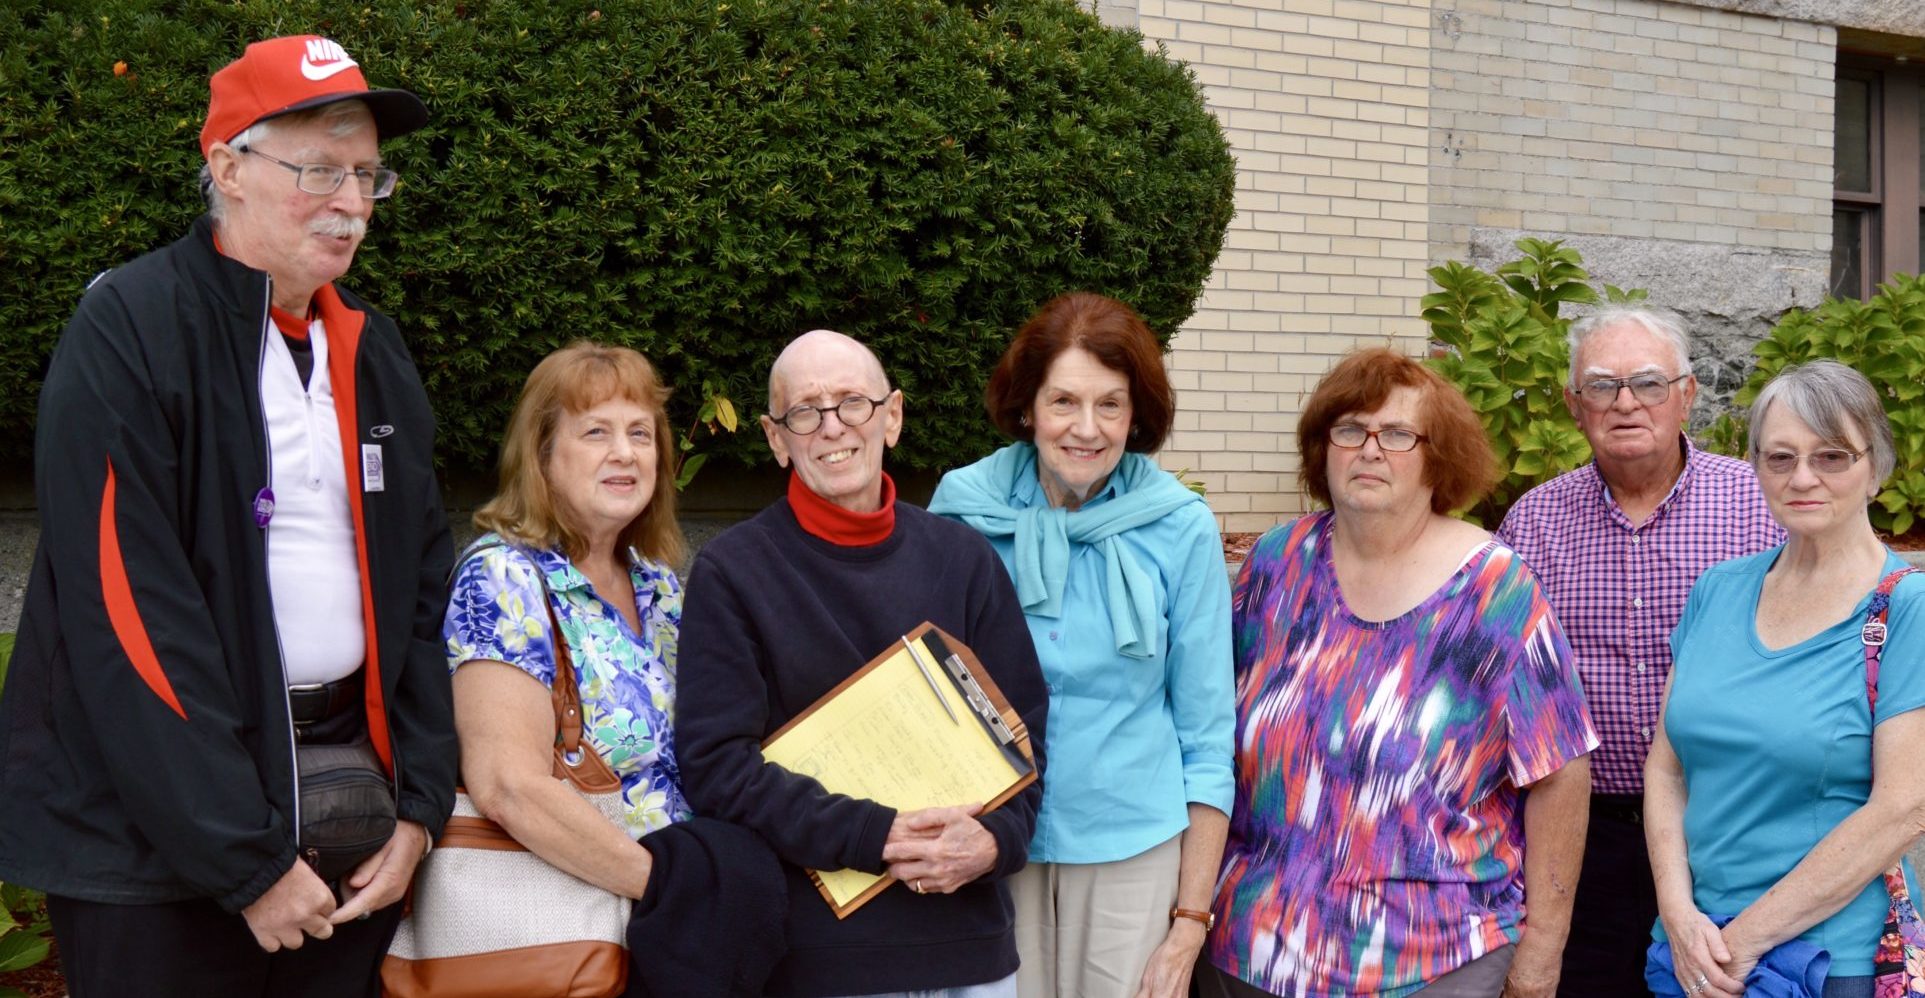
20 950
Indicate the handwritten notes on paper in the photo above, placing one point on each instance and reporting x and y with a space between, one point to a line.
886 738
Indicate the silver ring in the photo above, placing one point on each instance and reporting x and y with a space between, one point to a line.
918 885
363 916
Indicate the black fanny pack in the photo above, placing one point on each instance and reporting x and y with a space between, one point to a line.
347 802
347 806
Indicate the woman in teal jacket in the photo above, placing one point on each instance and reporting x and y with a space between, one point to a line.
1120 571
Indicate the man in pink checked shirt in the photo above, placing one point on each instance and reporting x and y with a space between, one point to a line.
1616 545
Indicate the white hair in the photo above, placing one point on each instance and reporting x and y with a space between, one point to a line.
1662 324
342 119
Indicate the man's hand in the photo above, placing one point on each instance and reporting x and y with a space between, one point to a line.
382 878
296 907
938 849
1534 969
1170 966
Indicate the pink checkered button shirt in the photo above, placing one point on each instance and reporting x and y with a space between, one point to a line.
1619 589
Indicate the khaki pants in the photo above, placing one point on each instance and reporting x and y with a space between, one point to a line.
1086 930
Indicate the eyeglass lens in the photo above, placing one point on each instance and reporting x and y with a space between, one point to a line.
853 411
1352 436
321 178
1648 389
1824 462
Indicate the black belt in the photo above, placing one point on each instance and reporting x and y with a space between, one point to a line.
317 702
1627 808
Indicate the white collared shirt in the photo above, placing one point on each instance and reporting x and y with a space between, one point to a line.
313 569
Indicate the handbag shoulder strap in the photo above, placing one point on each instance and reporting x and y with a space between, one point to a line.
565 692
1900 934
1873 634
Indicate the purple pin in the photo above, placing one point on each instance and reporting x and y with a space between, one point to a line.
263 507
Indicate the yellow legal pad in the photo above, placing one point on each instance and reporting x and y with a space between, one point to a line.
883 735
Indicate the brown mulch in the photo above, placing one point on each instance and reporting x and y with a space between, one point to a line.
1237 546
1913 540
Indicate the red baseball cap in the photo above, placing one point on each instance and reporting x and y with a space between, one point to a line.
283 75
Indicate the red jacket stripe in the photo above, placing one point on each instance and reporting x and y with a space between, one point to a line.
121 611
344 327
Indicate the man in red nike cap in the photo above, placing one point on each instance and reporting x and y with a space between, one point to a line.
239 584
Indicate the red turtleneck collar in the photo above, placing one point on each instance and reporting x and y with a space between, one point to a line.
841 526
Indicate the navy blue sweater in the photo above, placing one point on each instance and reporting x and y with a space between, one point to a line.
774 618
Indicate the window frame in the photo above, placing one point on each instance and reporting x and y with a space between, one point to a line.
1890 212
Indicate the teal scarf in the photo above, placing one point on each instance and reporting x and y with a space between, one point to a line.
978 495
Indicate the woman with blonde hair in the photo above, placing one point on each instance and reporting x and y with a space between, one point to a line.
577 563
581 536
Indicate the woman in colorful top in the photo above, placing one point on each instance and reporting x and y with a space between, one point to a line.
1120 572
587 502
1774 791
1399 679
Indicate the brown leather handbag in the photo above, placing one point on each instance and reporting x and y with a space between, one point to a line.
489 919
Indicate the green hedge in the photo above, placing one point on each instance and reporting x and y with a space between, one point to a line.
1884 339
702 180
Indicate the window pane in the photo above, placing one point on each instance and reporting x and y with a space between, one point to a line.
1852 155
1849 236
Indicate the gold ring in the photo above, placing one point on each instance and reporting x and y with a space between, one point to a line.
918 885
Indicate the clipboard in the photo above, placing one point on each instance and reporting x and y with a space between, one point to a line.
909 734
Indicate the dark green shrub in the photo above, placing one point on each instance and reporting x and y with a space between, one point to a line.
1506 349
1884 339
702 180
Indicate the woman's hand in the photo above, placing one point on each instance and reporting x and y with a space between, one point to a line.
1699 956
1168 972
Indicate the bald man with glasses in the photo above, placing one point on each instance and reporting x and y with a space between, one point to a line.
785 606
1616 545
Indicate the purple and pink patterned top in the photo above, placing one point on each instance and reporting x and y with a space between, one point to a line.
1618 589
1376 842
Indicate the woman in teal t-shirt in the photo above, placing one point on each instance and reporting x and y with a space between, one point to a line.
1772 792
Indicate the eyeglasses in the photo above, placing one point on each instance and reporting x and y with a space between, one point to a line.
1824 462
1648 389
1390 439
322 179
805 419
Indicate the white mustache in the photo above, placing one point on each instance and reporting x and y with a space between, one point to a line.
338 226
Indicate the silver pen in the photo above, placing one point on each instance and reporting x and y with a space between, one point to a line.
915 655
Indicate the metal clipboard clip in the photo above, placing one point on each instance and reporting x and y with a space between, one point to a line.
972 692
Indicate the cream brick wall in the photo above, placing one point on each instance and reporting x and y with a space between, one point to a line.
1637 119
1326 104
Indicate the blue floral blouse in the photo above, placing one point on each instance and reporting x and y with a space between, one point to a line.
627 680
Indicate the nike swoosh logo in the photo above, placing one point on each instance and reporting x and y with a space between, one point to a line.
318 73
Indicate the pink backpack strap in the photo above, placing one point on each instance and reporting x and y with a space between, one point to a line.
1874 632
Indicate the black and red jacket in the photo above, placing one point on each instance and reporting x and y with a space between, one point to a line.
145 749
